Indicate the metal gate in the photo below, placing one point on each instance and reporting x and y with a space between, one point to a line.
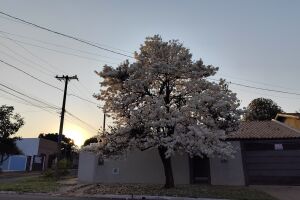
272 162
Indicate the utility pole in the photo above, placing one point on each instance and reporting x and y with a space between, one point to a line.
104 119
62 116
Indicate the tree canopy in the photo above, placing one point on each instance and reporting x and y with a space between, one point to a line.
90 141
10 123
164 100
67 144
262 109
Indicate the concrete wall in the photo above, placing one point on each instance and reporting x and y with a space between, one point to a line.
228 172
146 167
87 167
138 167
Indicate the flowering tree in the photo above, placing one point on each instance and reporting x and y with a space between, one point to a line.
164 101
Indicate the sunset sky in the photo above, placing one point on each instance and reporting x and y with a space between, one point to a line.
255 43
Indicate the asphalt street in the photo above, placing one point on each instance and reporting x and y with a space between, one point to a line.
43 197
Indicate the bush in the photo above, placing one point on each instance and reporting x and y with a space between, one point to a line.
64 164
49 173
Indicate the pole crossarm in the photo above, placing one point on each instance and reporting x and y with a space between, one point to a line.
67 78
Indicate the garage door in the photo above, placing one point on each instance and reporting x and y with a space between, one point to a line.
272 162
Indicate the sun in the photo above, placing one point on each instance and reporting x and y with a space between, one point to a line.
76 134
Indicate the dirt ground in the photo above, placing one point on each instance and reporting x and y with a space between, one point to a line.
281 192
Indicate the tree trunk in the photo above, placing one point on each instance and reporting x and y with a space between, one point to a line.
167 167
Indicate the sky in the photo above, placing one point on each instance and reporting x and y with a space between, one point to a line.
254 43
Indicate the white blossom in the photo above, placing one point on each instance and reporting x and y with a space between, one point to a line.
165 99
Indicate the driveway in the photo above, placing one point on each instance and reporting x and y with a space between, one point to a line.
281 192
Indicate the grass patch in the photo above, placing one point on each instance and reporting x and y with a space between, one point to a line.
32 184
196 191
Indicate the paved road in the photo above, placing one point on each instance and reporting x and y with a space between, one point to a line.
43 197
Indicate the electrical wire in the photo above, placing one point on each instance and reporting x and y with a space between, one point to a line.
32 104
62 52
46 83
65 35
77 118
32 98
258 88
58 45
42 107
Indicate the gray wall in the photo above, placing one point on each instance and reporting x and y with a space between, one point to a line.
87 166
138 167
228 172
146 167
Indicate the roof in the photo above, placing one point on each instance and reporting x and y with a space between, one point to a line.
264 130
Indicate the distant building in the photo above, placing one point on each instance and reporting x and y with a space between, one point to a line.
37 154
291 119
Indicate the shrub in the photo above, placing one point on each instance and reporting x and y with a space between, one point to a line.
49 173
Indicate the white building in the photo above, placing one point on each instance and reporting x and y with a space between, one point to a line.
37 154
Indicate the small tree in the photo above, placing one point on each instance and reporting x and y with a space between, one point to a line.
68 147
90 141
262 109
164 101
9 125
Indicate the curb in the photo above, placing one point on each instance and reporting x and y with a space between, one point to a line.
110 196
144 197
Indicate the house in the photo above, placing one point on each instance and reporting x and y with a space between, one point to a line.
267 152
37 155
291 119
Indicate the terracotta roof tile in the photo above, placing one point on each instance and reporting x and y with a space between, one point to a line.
264 130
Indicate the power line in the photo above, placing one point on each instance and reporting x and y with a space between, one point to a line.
45 109
49 106
46 83
34 99
256 82
265 89
51 71
57 45
74 95
258 88
23 63
32 54
87 124
29 102
248 90
62 52
65 35
24 72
